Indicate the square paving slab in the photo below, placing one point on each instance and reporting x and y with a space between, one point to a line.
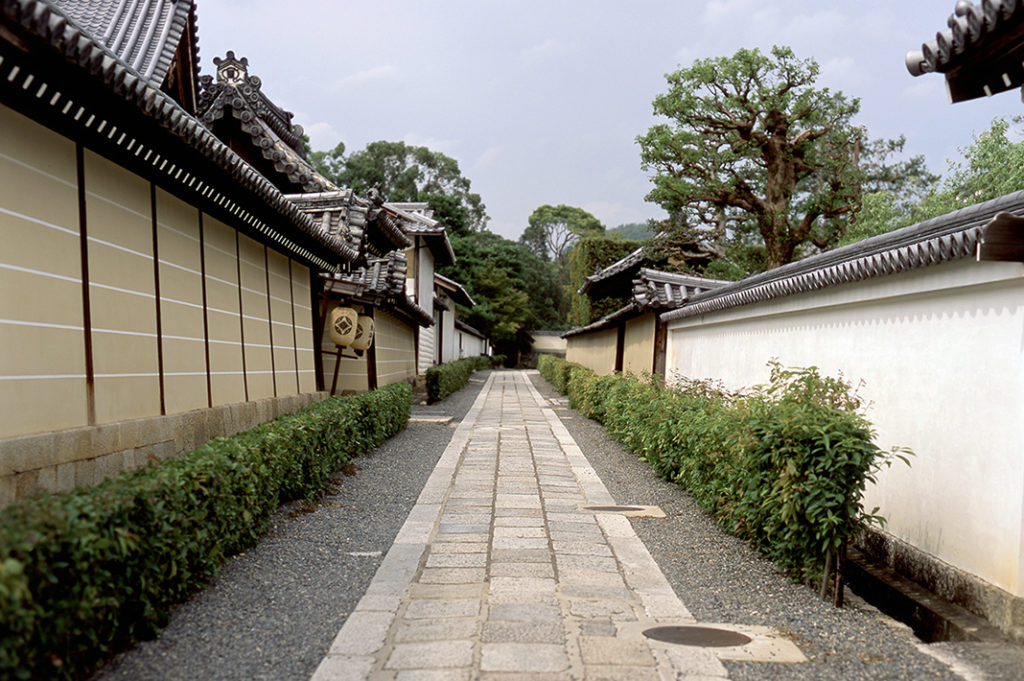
516 563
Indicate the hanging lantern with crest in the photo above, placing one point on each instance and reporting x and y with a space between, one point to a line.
364 333
343 325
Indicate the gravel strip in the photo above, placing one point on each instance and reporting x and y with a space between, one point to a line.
273 611
722 580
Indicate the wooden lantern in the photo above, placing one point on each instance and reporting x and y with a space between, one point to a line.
344 326
364 333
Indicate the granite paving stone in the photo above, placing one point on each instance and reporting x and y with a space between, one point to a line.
439 608
503 575
431 654
436 630
523 657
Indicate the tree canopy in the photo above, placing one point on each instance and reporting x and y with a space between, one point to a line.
407 173
537 277
992 166
553 230
754 153
635 231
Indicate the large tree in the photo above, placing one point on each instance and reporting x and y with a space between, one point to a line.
537 278
407 173
751 146
554 230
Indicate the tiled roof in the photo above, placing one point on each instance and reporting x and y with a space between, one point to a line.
143 35
668 290
463 326
354 221
455 290
626 266
943 239
380 282
95 66
417 221
269 126
652 290
980 51
341 214
631 309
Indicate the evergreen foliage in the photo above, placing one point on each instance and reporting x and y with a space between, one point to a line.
634 231
444 379
591 254
758 166
992 166
87 573
783 465
404 173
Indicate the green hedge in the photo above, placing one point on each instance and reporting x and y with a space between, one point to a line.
783 465
87 573
556 371
444 379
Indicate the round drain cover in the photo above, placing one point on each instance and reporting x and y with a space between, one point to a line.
705 637
613 509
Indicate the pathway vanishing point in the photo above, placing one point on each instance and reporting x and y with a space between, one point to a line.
500 572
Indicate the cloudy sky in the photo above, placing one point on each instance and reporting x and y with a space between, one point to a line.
541 101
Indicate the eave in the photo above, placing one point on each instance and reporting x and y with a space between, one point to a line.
58 75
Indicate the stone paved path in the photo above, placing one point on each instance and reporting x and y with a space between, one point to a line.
499 573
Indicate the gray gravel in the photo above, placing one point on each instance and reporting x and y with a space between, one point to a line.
273 611
722 580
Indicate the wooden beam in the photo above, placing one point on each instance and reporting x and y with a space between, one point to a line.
620 346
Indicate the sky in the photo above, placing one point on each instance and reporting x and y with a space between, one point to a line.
541 102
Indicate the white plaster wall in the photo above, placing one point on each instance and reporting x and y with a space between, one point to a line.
594 350
471 346
428 337
424 287
449 341
542 342
941 354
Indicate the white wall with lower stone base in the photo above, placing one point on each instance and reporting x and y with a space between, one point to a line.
940 351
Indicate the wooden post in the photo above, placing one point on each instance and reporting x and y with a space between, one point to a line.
337 365
824 576
371 366
620 346
837 600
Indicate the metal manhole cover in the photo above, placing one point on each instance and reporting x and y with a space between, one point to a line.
704 637
613 509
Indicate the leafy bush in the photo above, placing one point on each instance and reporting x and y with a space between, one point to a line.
87 573
556 371
783 465
444 379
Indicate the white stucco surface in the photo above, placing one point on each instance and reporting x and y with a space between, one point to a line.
470 345
940 351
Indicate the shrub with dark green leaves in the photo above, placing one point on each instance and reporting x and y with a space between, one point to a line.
546 365
87 573
783 466
444 379
556 371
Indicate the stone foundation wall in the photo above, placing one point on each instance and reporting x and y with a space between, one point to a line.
1002 609
61 460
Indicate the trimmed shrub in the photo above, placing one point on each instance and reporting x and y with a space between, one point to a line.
87 573
556 371
783 465
444 379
